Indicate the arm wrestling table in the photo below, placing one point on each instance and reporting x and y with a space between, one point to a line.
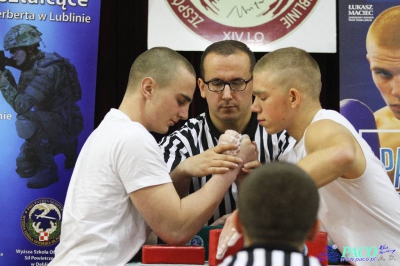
201 250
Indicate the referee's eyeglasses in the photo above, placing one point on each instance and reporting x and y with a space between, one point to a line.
217 85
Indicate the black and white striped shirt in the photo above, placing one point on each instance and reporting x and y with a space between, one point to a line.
261 256
199 134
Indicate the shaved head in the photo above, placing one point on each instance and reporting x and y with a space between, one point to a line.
160 63
385 29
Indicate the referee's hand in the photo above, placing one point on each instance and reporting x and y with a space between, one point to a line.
228 237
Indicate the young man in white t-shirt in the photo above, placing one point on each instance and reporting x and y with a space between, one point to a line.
120 189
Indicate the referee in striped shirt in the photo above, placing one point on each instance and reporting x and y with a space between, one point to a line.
226 83
277 212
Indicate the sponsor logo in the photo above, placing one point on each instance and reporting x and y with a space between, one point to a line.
196 241
256 22
41 222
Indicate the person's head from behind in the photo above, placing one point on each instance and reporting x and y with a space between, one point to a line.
383 55
222 62
278 204
165 82
284 81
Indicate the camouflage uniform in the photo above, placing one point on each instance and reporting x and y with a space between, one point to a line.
48 117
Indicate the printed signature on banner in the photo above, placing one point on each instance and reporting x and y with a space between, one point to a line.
214 20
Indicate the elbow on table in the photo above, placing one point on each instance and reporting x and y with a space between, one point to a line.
176 238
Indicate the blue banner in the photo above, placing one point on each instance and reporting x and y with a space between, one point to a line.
47 105
371 105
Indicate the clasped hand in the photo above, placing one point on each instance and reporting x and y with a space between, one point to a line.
232 151
247 151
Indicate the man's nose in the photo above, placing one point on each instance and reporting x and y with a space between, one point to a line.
255 107
396 86
227 93
184 113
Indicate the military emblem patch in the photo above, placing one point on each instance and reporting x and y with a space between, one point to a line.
41 222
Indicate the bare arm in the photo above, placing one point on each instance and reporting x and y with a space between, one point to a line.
176 220
248 167
332 152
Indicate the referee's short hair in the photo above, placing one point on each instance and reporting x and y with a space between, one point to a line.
226 48
278 203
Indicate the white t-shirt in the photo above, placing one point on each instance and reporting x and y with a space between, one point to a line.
100 225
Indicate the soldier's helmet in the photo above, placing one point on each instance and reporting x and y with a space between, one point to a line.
21 35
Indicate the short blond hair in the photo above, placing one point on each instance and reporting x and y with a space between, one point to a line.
292 68
160 63
385 29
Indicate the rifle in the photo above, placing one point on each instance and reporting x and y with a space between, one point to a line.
4 61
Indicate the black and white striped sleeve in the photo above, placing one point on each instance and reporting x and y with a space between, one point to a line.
260 256
181 144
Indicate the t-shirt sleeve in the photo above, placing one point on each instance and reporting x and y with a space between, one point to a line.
138 160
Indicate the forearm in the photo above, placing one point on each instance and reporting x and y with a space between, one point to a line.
20 102
181 181
177 220
9 93
197 208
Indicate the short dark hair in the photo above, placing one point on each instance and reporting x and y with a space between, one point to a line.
278 202
160 63
225 48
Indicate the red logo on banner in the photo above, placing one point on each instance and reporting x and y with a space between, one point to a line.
44 236
256 22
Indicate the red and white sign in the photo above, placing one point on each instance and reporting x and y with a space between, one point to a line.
264 25
44 236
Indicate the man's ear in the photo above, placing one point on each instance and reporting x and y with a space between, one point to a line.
312 233
202 87
236 222
147 87
294 97
30 49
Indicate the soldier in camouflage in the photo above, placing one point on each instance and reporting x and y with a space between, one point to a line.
44 99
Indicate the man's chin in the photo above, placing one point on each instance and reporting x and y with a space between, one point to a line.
160 130
229 116
397 115
165 131
271 130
